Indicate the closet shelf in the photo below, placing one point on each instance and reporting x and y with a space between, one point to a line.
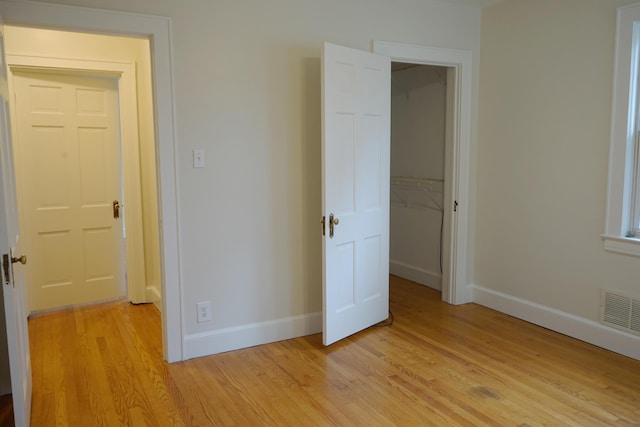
423 184
429 187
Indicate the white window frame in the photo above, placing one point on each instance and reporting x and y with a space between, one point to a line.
623 192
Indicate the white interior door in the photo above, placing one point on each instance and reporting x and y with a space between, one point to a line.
12 283
355 195
68 128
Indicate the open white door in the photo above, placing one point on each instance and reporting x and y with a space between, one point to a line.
356 87
12 278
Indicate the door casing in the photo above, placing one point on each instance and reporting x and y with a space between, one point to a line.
455 289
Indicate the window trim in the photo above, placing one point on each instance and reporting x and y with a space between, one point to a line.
624 129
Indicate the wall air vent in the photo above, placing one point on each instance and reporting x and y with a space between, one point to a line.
620 311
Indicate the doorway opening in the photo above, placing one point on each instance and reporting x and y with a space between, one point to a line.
70 55
456 194
157 29
418 145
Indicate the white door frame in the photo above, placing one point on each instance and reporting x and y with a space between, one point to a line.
158 30
455 289
129 145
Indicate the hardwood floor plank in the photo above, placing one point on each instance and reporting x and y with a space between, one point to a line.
514 379
436 365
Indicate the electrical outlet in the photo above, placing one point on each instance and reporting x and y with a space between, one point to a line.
204 311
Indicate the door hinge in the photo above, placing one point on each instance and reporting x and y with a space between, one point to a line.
6 264
455 206
322 221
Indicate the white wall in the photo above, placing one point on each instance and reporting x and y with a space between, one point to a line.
418 98
543 140
247 90
68 45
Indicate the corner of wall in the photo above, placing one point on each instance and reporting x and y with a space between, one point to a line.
154 295
416 274
235 338
559 321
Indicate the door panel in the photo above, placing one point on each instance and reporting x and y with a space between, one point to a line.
70 166
12 283
355 168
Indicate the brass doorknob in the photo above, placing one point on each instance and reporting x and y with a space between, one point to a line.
332 221
116 209
22 260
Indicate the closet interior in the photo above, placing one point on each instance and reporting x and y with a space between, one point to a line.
418 132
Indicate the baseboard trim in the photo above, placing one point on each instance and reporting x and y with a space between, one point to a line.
418 275
559 321
228 339
154 296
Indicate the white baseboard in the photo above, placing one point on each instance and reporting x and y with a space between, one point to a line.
154 296
219 341
559 321
418 275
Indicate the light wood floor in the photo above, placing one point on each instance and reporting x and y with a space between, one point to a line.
436 365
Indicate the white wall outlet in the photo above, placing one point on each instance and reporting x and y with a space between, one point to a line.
198 158
204 311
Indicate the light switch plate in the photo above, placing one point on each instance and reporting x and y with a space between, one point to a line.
198 158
